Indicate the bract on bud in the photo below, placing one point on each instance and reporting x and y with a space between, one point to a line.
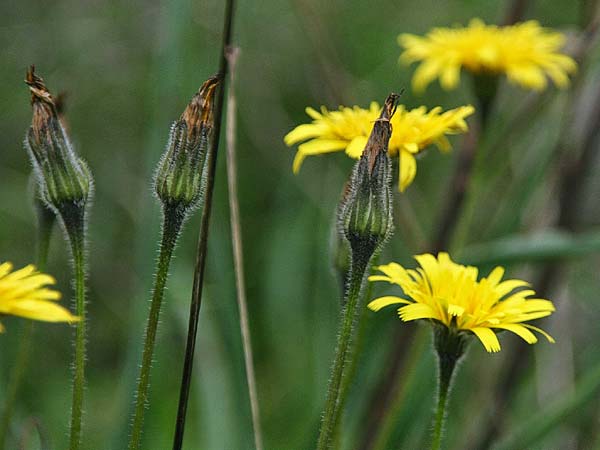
180 176
366 213
64 179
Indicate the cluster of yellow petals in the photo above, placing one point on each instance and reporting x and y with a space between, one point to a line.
526 52
348 129
450 294
25 293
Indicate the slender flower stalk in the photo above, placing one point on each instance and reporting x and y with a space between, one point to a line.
179 185
236 236
365 220
450 347
196 301
65 185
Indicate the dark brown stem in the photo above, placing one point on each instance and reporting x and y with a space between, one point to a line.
203 236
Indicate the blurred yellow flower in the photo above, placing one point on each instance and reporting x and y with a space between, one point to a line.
525 52
25 293
450 294
348 129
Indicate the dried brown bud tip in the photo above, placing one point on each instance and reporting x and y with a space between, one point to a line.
199 112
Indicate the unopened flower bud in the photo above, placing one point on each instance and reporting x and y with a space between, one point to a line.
180 176
366 215
64 179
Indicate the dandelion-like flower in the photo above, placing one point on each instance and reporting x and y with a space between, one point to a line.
450 294
25 293
526 52
348 129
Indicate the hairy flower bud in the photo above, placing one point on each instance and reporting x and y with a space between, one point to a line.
366 214
180 176
64 179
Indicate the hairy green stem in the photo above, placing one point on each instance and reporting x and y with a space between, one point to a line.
356 282
46 220
449 346
356 346
74 221
172 222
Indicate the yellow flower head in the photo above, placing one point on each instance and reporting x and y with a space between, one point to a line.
348 129
25 293
525 52
451 295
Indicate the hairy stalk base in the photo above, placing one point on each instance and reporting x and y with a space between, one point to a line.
356 282
172 222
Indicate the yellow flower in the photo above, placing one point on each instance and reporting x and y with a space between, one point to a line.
450 294
25 293
348 129
525 52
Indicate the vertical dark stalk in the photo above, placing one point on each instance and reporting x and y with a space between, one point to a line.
172 222
203 236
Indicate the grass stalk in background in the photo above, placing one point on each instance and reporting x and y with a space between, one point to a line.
238 257
203 235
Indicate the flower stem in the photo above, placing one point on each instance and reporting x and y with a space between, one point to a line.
73 218
355 285
356 346
450 348
46 219
173 219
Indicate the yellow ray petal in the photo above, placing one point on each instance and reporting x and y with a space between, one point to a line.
488 338
382 302
408 170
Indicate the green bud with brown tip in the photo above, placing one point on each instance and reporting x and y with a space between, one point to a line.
366 212
64 179
180 175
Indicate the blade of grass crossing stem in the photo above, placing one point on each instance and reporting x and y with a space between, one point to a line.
236 236
203 236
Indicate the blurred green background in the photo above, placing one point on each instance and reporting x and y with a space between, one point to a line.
130 67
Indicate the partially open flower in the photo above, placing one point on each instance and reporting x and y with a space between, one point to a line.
180 175
450 295
348 129
25 293
525 52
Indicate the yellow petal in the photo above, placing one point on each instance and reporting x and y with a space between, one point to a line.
519 330
301 133
382 302
417 311
408 170
356 147
42 310
315 147
488 338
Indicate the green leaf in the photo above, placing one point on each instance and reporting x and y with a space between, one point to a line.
548 245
